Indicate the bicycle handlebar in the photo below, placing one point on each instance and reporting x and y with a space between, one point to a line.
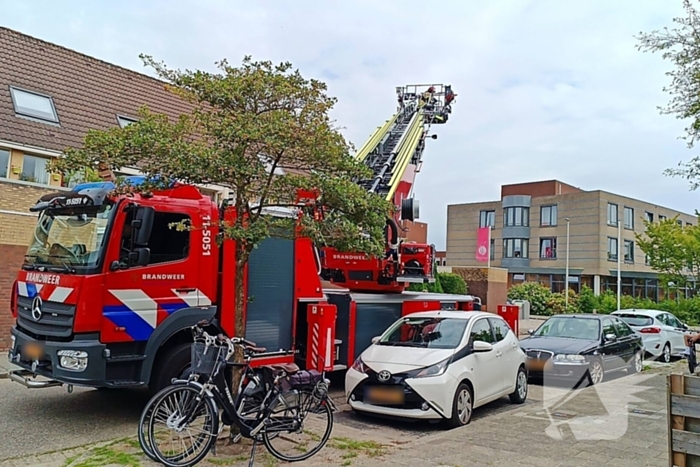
222 339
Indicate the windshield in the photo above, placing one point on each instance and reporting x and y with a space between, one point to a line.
66 238
574 328
431 333
636 320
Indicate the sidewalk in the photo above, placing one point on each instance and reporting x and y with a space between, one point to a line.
5 365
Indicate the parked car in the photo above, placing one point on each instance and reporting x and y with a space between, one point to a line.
662 333
438 365
582 346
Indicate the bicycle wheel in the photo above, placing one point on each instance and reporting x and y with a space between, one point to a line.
183 414
145 420
301 420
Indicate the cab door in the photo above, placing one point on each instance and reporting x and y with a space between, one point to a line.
139 297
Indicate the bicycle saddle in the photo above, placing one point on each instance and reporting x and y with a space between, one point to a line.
289 368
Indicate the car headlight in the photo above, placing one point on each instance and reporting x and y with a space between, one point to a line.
359 365
73 360
433 370
569 358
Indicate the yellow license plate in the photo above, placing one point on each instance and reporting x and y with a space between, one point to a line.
535 365
393 396
32 351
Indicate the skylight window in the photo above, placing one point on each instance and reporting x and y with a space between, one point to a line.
125 121
33 105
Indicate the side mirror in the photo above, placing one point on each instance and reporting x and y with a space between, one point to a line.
481 346
531 332
375 339
143 224
610 337
684 326
139 257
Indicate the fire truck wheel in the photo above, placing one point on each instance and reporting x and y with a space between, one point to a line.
174 363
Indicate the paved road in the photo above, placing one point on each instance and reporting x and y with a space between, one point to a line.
42 420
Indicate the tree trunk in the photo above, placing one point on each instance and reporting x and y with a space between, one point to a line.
239 323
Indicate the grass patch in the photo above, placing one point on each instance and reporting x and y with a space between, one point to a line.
106 455
226 460
354 446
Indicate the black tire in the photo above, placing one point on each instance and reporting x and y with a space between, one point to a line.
595 373
666 353
519 395
467 402
174 363
637 362
207 405
267 437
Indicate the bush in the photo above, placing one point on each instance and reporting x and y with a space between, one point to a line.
537 294
452 283
587 301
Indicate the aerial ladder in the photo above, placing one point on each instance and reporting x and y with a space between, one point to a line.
394 154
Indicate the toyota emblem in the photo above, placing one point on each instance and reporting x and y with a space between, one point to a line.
383 376
36 308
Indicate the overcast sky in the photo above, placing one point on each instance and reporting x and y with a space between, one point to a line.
546 88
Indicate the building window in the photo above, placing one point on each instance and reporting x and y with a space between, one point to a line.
515 248
548 248
646 260
31 104
629 251
612 214
612 249
548 215
629 218
487 219
125 121
679 222
34 170
687 224
516 217
662 218
4 163
493 249
649 216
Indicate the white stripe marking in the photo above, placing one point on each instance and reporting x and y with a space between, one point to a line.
328 349
140 303
193 298
60 294
22 289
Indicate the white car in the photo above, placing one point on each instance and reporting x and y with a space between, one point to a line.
438 365
662 333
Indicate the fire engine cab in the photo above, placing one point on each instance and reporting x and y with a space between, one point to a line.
108 291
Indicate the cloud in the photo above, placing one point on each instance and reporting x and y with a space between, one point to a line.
546 89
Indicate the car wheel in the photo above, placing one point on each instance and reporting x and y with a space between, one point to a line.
595 372
462 407
637 364
520 394
666 353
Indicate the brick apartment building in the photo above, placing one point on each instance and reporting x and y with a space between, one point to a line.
528 236
50 97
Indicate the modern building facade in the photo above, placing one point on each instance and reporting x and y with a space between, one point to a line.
529 236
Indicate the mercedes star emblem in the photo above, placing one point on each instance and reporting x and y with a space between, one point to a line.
36 308
383 376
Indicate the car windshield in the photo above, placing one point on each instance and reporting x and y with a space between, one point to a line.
69 237
431 333
636 320
570 327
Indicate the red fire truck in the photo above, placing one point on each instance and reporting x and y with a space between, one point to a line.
107 292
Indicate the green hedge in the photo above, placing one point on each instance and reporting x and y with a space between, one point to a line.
545 302
445 282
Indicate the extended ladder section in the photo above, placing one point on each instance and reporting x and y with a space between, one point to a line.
401 140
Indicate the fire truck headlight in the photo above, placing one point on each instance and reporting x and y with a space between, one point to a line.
73 360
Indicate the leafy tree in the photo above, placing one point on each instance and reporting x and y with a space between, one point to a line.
537 294
681 46
246 123
452 283
672 250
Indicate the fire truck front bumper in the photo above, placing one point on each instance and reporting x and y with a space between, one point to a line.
80 362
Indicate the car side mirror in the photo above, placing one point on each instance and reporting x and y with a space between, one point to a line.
375 339
531 332
143 224
610 337
481 346
139 257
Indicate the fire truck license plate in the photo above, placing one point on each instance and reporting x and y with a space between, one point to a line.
32 351
393 396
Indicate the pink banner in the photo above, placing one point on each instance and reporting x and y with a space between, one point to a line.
482 245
